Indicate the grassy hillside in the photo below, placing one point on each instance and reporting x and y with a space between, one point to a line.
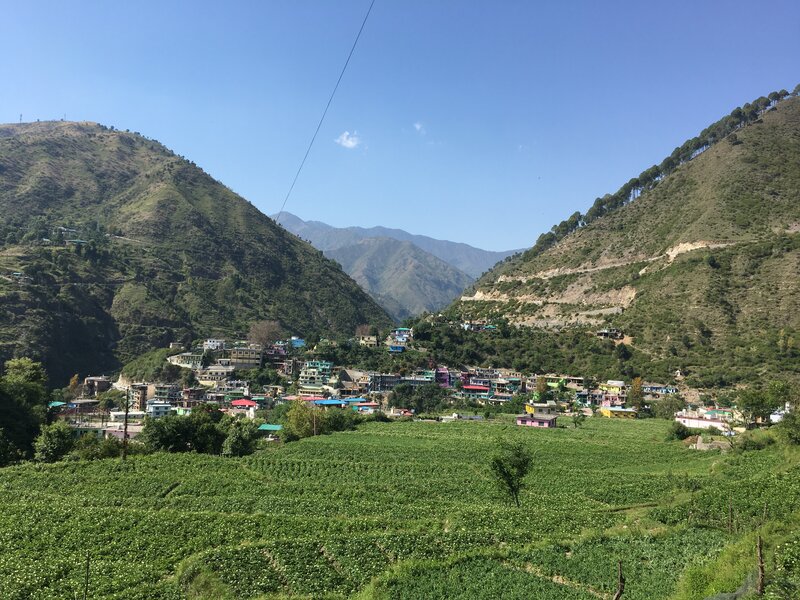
700 270
402 278
165 253
369 512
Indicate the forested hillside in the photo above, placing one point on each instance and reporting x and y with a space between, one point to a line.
113 245
696 260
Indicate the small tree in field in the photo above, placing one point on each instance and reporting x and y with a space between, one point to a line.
578 418
636 394
54 442
509 465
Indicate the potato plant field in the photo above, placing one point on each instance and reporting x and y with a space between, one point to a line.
399 510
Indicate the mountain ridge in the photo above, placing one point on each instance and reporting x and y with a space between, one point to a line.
700 269
404 279
187 256
464 257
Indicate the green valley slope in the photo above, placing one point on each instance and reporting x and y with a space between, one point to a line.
402 278
165 253
702 271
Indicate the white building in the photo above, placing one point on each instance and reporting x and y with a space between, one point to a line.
157 409
214 344
699 420
233 386
188 360
214 374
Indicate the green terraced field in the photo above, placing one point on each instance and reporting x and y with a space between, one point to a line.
393 510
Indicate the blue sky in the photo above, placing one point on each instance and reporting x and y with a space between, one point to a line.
481 122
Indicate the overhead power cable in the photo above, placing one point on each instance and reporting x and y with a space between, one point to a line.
325 112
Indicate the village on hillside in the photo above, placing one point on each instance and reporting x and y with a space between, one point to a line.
217 365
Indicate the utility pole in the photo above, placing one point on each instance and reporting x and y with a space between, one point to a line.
86 580
125 427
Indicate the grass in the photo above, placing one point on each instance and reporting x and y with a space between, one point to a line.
392 510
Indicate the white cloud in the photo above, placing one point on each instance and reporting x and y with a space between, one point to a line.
346 140
420 128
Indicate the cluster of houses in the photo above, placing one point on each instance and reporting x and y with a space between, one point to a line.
217 363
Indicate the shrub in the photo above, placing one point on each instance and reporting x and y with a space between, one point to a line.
90 447
756 439
54 442
678 431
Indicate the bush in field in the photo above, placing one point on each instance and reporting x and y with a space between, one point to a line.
90 447
341 420
678 431
666 407
303 420
54 442
424 398
23 407
790 427
753 440
201 431
242 437
9 453
300 422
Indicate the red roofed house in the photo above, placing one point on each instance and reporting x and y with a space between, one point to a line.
475 392
366 407
244 403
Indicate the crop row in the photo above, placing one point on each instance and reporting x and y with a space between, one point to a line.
335 509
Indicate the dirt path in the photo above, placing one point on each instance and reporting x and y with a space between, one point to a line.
670 255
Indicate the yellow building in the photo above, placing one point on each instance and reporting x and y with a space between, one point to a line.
613 412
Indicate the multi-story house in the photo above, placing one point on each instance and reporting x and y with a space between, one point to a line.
191 397
370 341
96 385
157 409
246 357
214 344
383 382
214 373
137 396
187 360
168 392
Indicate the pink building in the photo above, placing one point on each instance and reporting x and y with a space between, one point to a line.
537 420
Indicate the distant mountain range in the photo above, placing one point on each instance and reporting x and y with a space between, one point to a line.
111 245
404 279
406 274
